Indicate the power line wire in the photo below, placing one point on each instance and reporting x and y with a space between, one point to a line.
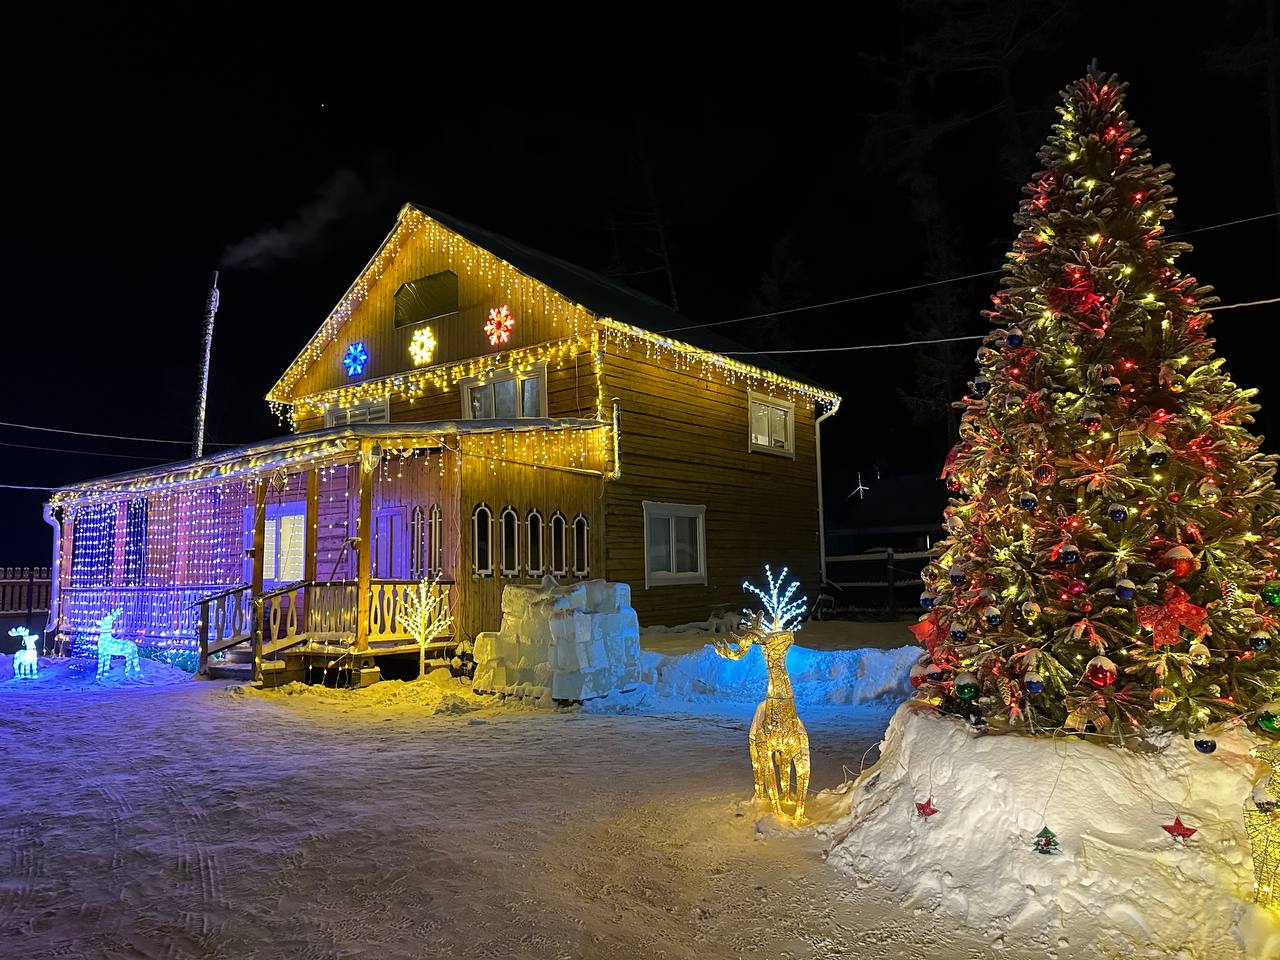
18 486
933 283
86 453
924 343
103 436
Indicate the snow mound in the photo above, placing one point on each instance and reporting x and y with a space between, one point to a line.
72 674
834 677
1119 883
437 694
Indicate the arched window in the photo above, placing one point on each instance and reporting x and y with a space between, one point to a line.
417 544
581 546
435 542
534 560
509 522
482 541
559 545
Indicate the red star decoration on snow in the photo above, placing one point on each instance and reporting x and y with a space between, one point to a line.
1178 830
927 810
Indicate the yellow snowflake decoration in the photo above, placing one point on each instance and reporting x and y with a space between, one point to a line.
422 348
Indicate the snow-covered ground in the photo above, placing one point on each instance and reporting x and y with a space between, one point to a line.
410 820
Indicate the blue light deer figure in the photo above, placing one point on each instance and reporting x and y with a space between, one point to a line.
112 646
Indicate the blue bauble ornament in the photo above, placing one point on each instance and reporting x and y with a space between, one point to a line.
1205 745
957 575
958 634
1125 590
981 385
1259 642
1028 500
1033 683
1118 512
932 672
1068 554
1013 338
928 599
993 616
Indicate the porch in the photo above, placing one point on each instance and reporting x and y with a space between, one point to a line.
253 561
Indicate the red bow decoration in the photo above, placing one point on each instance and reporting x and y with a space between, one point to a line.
1165 621
927 631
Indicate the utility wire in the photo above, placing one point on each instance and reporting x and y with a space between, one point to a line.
924 343
934 283
104 436
87 453
18 486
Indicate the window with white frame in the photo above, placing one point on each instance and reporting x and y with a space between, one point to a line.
509 526
534 560
675 543
283 544
772 424
581 546
506 394
363 411
435 542
559 545
482 541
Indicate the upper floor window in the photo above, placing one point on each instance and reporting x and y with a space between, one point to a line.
506 394
427 298
363 411
675 545
435 542
417 543
772 424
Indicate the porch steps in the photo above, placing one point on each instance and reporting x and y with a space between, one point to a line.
230 670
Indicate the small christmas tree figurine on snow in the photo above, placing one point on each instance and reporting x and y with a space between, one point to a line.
1112 561
1046 841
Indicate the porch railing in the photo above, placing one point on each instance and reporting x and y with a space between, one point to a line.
322 612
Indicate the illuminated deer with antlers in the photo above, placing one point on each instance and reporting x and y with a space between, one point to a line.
778 739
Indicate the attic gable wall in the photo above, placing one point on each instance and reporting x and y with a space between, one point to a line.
418 247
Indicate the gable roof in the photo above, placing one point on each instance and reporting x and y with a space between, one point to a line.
598 294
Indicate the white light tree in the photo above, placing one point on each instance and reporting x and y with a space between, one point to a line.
426 615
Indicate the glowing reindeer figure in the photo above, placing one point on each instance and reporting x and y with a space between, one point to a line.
25 661
778 739
111 646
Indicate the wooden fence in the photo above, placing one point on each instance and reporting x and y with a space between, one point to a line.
876 582
25 590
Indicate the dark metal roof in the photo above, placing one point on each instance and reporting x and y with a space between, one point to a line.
602 296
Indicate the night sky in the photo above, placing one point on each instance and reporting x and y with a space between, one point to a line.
806 163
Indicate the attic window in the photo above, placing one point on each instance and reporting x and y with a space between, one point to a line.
427 298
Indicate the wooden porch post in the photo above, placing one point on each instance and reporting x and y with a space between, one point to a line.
311 522
364 668
255 579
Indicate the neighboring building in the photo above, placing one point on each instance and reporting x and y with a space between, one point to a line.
472 410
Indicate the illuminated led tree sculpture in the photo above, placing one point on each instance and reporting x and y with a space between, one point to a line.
1112 558
111 646
426 616
779 743
25 661
1262 824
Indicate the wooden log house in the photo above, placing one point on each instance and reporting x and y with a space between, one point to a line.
475 411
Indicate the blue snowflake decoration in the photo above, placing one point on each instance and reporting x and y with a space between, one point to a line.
357 356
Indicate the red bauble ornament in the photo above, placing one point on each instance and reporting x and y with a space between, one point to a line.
1175 496
1179 560
1086 607
1100 671
1077 588
1045 474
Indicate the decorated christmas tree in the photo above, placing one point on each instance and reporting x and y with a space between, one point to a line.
1111 562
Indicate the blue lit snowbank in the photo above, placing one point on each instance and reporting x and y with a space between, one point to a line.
69 674
830 677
